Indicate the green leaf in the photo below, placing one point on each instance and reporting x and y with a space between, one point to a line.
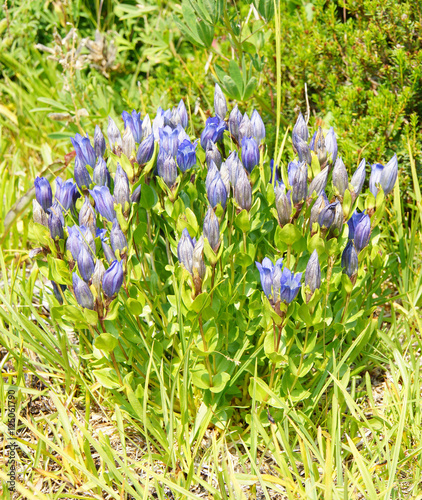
58 271
135 307
149 197
236 76
106 342
242 221
200 377
219 382
288 234
200 302
107 378
243 259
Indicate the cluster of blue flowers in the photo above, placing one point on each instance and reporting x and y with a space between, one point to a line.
231 176
97 248
98 242
326 214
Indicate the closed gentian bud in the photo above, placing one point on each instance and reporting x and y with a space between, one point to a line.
211 229
85 263
319 183
134 123
316 209
319 146
82 292
211 173
250 153
43 193
374 179
217 192
87 216
300 184
181 109
104 202
73 242
362 233
97 276
146 127
167 169
225 176
212 153
87 238
82 177
175 118
349 260
258 126
56 221
331 145
185 250
302 149
58 291
313 272
353 222
358 178
121 191
182 135
389 175
338 218
235 119
65 193
84 150
234 166
198 264
108 252
99 142
283 204
158 123
300 128
220 103
114 137
266 272
38 214
289 285
128 143
117 238
327 214
101 175
243 192
136 195
340 178
113 279
186 155
292 169
245 128
145 150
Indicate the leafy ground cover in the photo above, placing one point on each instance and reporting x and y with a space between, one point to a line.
78 439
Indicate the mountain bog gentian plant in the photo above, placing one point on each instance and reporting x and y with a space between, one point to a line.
205 257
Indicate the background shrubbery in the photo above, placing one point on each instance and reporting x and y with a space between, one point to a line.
362 67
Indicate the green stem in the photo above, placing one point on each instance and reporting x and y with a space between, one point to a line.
302 355
207 358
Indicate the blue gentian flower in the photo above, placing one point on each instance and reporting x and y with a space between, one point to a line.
82 292
113 279
250 153
186 155
104 202
43 192
289 285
